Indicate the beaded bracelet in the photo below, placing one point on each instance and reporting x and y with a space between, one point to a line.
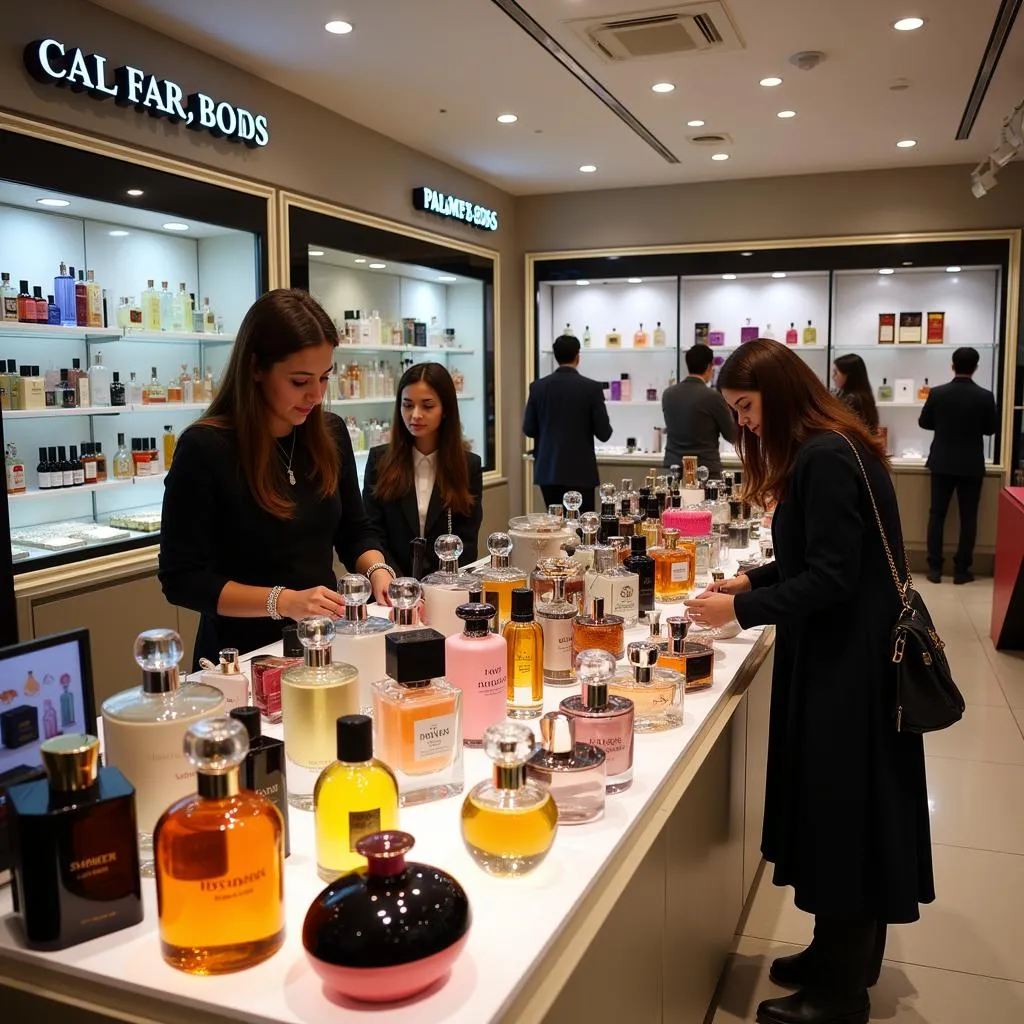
380 565
272 597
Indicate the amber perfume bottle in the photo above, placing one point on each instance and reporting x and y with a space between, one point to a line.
695 659
74 851
674 568
656 692
263 770
573 773
499 579
597 630
525 640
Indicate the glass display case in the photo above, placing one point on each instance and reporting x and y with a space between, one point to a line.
122 288
398 300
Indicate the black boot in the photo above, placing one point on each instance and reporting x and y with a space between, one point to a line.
810 1007
794 971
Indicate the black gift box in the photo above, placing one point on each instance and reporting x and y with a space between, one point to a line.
19 726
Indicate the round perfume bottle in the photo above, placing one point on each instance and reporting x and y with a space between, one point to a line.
389 930
359 637
656 693
509 822
405 595
573 773
498 578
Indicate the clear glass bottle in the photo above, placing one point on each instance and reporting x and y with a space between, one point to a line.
144 727
314 695
99 382
659 336
525 640
94 300
499 578
359 637
154 393
150 307
885 391
181 311
597 630
573 773
355 796
123 468
616 585
417 718
132 390
602 719
656 693
674 568
166 307
509 822
641 563
9 301
446 589
583 553
476 661
219 862
209 318
556 615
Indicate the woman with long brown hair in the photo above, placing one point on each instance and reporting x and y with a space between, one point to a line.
850 376
263 488
846 804
425 482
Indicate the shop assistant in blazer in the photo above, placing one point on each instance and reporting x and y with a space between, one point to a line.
425 482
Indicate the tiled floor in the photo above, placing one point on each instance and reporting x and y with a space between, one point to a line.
963 962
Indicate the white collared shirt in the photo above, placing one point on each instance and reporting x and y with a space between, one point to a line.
425 473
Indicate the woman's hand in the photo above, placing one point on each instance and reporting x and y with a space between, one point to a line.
297 604
737 585
710 609
379 582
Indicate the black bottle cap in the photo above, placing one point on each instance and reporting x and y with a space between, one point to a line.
607 508
250 718
42 454
49 299
76 364
24 286
477 615
37 292
73 449
414 655
25 371
86 448
638 544
522 604
117 376
120 439
355 738
52 453
97 447
35 371
12 366
290 637
64 376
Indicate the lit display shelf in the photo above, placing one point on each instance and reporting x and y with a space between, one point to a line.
337 404
104 485
104 410
408 350
37 332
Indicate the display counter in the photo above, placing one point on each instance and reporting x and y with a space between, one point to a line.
661 879
1007 630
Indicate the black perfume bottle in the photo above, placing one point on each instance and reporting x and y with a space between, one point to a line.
117 390
642 564
74 848
263 769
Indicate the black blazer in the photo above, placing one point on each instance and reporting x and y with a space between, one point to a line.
961 413
564 413
398 521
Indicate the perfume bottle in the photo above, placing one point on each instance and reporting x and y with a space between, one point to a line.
659 336
263 770
15 469
359 637
499 579
117 391
150 308
583 553
641 563
181 310
9 300
525 640
885 392
219 862
94 300
417 718
791 335
143 729
405 595
695 659
314 695
356 796
556 615
639 341
123 468
598 631
228 677
923 391
613 339
602 719
187 386
170 442
99 382
209 318
656 693
615 584
674 568
166 307
810 334
74 856
586 336
573 773
509 822
476 662
133 390
446 589
154 393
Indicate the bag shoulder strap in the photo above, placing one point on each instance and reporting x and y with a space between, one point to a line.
901 587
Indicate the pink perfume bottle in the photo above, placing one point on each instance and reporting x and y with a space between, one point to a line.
476 662
573 773
603 720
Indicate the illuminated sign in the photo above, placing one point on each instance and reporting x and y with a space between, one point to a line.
453 208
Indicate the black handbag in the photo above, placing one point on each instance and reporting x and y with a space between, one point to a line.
927 699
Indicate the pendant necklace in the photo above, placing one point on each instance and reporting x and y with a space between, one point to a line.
288 465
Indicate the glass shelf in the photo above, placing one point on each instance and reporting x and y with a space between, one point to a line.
341 403
916 346
110 335
102 410
408 349
103 485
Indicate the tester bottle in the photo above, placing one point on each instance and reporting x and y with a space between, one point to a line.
525 640
263 770
476 661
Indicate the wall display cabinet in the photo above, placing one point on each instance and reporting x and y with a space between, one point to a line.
398 299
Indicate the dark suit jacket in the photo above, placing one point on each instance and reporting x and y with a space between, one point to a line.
961 413
564 413
398 522
695 417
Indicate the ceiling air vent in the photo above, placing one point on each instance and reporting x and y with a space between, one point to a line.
715 139
682 29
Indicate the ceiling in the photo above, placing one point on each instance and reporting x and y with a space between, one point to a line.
434 74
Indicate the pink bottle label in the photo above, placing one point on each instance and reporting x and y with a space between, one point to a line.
478 667
614 735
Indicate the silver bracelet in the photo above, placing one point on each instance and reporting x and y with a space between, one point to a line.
380 565
272 597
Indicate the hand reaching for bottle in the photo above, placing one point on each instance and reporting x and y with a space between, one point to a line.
297 604
737 585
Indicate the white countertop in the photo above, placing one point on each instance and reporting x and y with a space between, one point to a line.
514 920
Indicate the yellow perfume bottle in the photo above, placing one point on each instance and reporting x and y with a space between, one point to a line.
525 639
810 334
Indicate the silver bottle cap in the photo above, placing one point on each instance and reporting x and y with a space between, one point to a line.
558 733
679 626
500 547
228 662
594 670
356 590
654 621
316 634
642 656
158 652
604 557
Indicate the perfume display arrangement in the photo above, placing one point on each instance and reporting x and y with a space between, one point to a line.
703 335
656 338
356 328
912 328
375 379
621 390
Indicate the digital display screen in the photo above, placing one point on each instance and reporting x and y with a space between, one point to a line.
45 690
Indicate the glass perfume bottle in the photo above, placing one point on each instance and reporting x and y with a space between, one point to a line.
659 335
117 391
99 382
597 630
586 336
94 299
791 335
602 719
209 318
616 585
150 307
641 563
573 773
154 393
122 465
417 718
499 578
885 392
143 729
695 659
923 391
355 797
314 695
656 693
446 589
132 390
476 662
359 637
613 339
525 640
810 334
640 337
674 568
556 615
74 854
263 770
509 822
228 677
219 862
181 311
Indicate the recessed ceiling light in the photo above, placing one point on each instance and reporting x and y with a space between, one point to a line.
769 83
746 253
378 266
886 270
907 24
588 168
582 282
338 28
953 270
135 193
728 277
447 278
907 143
662 87
908 263
786 114
53 202
694 124
117 234
360 259
635 280
507 119
316 252
778 274
719 156
175 225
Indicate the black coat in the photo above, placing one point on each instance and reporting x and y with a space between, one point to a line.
846 804
398 522
961 413
564 413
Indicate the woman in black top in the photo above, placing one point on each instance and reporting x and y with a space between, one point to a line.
263 488
850 376
846 804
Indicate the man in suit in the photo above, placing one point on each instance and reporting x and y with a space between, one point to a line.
564 413
696 415
961 413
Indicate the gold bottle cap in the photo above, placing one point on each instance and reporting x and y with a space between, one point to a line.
71 761
228 659
671 538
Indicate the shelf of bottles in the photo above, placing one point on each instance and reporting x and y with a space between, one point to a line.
905 324
114 325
